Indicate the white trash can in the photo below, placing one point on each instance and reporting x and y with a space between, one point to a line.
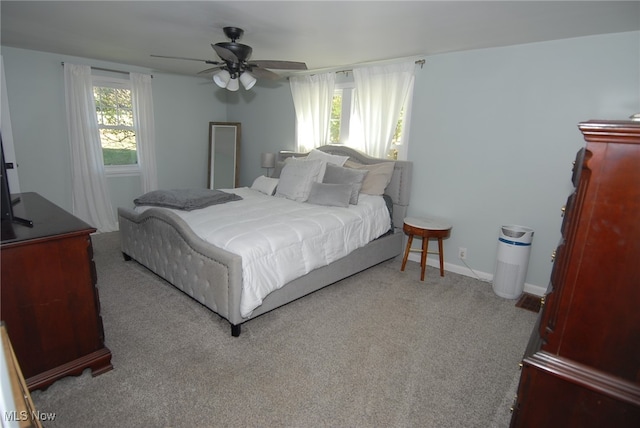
514 248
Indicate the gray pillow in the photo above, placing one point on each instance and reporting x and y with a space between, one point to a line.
334 195
340 175
185 199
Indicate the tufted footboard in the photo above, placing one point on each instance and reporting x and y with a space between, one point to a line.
162 242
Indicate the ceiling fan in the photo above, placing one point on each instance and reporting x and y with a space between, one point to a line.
235 65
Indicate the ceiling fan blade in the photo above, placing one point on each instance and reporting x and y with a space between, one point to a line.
206 61
210 70
179 57
280 65
225 54
235 59
262 73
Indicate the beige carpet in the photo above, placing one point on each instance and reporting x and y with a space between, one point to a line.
379 349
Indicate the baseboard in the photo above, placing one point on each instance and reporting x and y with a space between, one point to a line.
467 271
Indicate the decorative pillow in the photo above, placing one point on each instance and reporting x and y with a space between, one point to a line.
378 177
296 179
334 195
340 175
265 185
323 167
327 157
281 163
185 199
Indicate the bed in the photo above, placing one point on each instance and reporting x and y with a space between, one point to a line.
162 240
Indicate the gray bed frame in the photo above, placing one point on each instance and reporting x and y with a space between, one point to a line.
162 242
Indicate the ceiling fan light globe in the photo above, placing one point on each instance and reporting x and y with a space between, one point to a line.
247 80
222 78
233 85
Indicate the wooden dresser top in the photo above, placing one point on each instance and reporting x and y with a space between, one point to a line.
48 220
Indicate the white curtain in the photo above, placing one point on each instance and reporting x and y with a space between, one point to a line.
91 200
380 93
142 101
312 98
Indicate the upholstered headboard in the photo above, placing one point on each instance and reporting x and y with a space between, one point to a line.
398 189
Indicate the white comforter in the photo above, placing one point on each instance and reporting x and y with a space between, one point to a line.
280 240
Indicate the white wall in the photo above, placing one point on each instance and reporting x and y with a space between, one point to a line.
268 124
495 132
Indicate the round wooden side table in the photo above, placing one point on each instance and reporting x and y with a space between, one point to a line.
425 228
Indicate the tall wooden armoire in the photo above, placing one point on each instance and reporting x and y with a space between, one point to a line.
582 365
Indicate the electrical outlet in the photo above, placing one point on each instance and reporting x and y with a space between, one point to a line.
462 253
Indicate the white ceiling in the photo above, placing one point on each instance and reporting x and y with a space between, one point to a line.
324 34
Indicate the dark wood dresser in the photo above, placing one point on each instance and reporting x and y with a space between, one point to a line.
49 300
582 365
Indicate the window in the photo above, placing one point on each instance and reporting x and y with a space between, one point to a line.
114 111
396 139
345 125
342 110
336 117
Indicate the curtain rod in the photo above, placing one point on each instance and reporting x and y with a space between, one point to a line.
109 70
418 61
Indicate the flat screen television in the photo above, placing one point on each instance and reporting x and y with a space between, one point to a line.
7 203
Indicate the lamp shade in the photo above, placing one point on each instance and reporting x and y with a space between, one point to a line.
247 80
233 85
222 78
268 160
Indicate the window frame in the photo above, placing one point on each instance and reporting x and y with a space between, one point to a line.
117 83
347 89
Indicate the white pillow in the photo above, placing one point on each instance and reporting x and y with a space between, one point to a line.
265 185
297 178
323 167
327 157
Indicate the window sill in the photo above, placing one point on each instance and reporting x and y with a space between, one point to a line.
121 171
